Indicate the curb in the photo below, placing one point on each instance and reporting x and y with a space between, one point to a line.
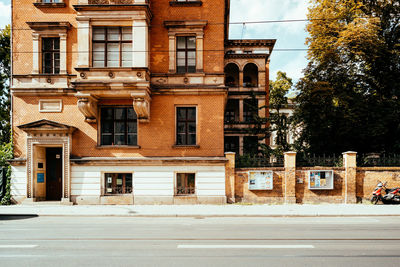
198 216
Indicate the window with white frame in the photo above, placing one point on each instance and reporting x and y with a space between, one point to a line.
112 47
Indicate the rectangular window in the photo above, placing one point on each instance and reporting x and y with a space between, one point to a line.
185 184
118 126
51 55
118 183
186 126
232 144
232 111
250 110
112 47
186 54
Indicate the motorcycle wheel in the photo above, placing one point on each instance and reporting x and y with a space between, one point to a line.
374 200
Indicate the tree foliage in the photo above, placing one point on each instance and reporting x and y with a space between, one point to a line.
278 100
5 70
350 93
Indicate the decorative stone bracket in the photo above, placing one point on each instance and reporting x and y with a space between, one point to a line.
141 104
87 104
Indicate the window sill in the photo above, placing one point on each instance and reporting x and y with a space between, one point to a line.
48 5
118 147
186 146
185 3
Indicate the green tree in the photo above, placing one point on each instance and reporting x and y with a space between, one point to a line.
278 100
5 108
5 70
350 93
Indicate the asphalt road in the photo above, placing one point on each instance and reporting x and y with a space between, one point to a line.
127 241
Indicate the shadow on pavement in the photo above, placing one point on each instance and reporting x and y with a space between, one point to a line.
9 217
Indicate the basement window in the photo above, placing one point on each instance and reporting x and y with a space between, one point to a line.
185 184
118 183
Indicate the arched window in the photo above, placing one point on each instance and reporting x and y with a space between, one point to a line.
232 75
250 75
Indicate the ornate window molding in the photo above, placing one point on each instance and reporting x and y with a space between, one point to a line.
49 29
186 28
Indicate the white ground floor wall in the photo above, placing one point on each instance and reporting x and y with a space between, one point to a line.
151 184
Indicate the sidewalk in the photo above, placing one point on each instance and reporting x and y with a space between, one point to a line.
203 210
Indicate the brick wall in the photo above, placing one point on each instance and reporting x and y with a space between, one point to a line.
274 196
155 138
359 187
368 177
211 10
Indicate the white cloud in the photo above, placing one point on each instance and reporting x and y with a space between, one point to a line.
288 34
5 14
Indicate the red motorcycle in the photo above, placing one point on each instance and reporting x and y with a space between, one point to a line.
391 195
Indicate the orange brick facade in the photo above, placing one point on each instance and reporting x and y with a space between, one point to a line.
152 86
155 138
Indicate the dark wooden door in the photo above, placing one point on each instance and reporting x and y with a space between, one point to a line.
53 173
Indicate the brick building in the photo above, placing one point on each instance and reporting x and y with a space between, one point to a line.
123 101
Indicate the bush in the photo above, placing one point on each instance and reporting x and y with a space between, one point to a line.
6 154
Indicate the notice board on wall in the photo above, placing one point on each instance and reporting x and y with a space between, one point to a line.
40 177
261 180
320 179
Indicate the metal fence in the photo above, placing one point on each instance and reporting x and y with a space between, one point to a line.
252 161
378 160
304 160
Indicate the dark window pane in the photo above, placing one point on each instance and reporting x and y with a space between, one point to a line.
181 127
106 140
192 139
107 127
191 69
131 114
119 139
180 140
181 69
107 113
120 113
132 139
191 113
192 127
56 43
132 127
181 113
119 128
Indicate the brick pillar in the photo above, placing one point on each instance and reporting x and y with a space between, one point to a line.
290 177
230 177
350 165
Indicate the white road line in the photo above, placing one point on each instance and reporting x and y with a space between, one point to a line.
245 246
18 246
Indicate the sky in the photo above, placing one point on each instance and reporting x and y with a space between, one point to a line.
287 34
